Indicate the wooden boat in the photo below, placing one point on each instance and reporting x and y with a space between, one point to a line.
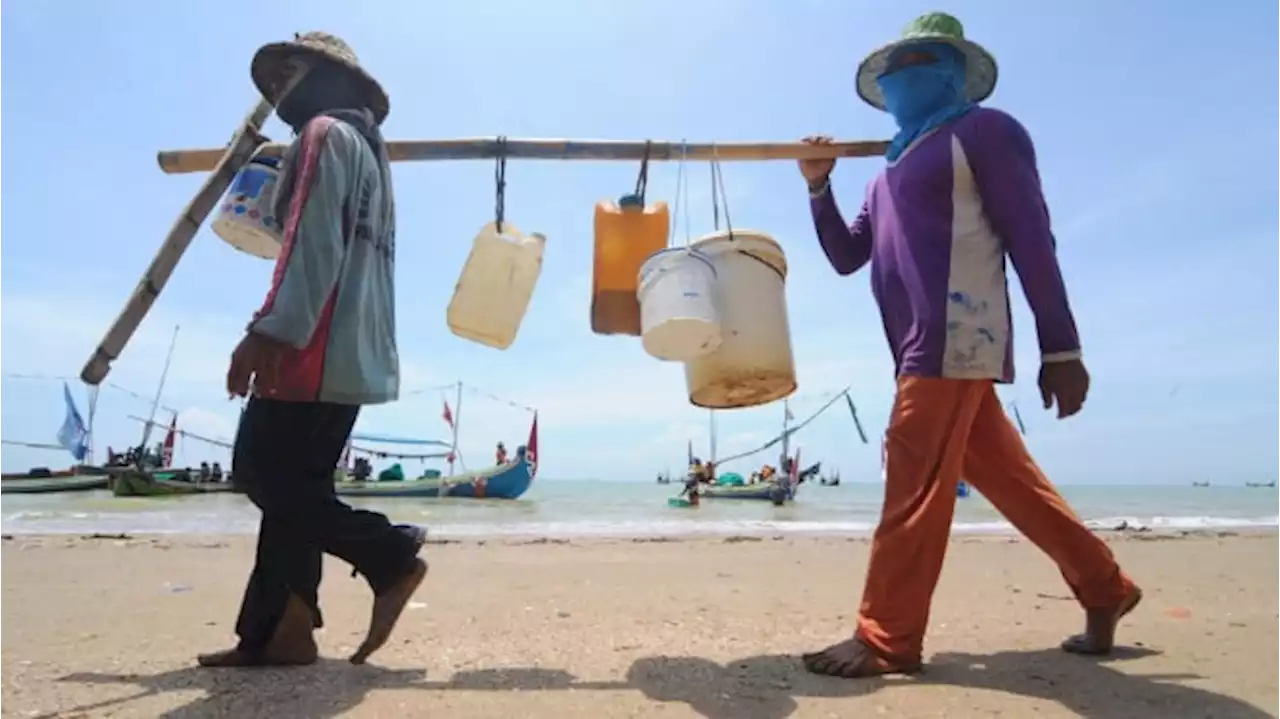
43 481
505 481
768 491
172 483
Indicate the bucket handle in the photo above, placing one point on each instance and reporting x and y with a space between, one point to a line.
718 196
761 261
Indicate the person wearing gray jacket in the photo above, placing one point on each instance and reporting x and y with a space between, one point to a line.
322 346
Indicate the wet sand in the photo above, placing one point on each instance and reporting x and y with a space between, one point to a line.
621 628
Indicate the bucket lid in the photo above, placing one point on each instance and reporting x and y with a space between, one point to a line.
752 242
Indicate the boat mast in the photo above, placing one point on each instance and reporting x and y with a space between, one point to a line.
712 412
457 417
786 436
155 404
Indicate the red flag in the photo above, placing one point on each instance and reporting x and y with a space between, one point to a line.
448 415
166 450
531 448
795 469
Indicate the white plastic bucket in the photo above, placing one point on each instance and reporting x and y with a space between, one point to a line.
246 219
754 364
678 317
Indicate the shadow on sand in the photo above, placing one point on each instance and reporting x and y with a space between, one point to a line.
760 687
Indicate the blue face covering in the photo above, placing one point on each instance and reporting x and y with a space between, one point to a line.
922 97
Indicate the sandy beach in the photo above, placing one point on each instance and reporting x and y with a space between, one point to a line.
633 628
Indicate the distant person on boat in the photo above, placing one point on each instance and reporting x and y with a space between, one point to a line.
960 194
698 470
501 454
215 473
322 346
205 472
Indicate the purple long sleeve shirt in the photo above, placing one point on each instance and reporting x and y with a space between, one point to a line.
936 225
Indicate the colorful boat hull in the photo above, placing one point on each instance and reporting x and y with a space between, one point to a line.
760 491
507 481
162 484
26 484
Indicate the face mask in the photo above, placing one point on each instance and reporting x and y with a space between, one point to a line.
912 94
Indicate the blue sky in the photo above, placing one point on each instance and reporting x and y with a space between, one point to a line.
1148 122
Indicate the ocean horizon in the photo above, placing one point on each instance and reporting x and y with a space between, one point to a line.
599 508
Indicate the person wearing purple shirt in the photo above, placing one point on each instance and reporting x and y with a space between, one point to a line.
960 192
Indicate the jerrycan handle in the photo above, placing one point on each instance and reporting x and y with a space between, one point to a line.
635 201
631 203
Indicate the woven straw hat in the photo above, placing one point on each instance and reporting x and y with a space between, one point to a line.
272 67
980 66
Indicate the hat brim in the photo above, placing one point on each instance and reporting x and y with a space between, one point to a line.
980 68
272 67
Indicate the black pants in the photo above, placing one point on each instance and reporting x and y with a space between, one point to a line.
284 460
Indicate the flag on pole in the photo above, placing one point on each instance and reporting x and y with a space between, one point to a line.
447 415
73 435
531 448
795 469
166 449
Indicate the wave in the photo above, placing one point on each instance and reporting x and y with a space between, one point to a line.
166 523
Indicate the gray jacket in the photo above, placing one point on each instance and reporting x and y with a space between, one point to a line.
332 296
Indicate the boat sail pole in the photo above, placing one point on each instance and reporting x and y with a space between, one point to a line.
155 404
712 412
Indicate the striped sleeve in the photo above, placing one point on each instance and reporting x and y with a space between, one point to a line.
313 243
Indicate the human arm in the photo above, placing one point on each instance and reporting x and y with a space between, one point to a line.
313 245
1003 160
848 247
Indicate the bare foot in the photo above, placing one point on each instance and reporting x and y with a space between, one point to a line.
387 608
853 659
1100 628
292 643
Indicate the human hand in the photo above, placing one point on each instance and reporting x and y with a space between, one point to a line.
1066 384
816 172
254 363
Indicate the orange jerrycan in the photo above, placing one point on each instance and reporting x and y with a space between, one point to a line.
627 234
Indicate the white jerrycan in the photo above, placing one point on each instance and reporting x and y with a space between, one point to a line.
496 285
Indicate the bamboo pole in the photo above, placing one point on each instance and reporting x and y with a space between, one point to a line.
481 148
228 162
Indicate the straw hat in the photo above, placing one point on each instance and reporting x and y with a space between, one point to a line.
980 66
271 67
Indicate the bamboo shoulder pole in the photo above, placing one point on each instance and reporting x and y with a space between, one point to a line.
226 163
481 148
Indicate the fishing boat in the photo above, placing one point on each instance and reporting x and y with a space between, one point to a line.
786 484
170 483
73 437
504 481
769 491
43 481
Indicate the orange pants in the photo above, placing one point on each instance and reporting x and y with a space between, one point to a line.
939 430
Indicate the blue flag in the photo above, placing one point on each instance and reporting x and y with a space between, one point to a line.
73 435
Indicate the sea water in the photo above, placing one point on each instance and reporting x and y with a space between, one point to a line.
586 508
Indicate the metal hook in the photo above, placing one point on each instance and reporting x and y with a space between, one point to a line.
500 182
